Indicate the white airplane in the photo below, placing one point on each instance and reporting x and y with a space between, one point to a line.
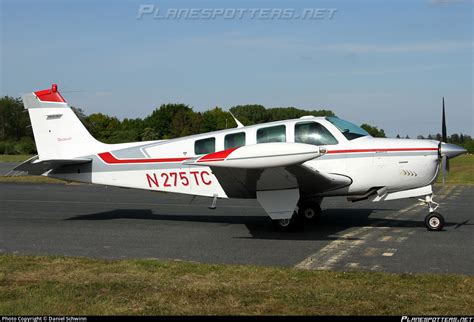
288 166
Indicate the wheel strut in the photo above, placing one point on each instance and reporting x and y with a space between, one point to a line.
434 221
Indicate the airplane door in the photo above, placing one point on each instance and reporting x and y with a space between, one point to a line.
380 160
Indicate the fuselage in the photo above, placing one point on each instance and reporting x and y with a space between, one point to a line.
397 164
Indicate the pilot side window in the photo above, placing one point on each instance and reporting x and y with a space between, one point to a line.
313 133
205 146
271 134
234 140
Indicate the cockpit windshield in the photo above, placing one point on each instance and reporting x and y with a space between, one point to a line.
348 129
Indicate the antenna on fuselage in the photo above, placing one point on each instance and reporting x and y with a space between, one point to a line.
239 125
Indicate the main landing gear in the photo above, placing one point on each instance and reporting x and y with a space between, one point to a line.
310 211
307 211
434 221
284 224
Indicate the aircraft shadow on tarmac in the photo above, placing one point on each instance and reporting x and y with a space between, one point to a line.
260 227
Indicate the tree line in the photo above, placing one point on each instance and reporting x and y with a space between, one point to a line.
165 122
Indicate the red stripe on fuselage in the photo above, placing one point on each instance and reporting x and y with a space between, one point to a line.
382 150
109 158
221 155
217 156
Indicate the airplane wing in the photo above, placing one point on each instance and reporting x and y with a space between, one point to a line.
244 183
35 166
274 173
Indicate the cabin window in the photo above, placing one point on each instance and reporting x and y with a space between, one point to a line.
313 133
234 140
271 134
205 146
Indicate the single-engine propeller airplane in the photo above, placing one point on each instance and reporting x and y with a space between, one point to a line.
288 166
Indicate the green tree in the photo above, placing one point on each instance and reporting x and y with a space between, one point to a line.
255 114
103 127
183 123
171 120
216 119
284 113
149 134
373 130
250 114
14 120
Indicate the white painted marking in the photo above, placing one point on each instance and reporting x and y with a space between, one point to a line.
329 255
401 239
385 238
389 252
372 252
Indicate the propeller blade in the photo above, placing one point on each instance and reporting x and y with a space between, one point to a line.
444 159
444 135
447 164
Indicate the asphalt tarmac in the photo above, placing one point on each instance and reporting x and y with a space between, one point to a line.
107 222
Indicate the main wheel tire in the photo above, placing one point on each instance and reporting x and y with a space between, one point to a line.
434 221
310 211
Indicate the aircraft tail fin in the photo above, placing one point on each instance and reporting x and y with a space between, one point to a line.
58 132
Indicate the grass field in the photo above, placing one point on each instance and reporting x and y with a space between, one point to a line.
30 179
14 158
461 170
79 286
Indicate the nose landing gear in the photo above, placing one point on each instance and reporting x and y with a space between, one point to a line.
434 221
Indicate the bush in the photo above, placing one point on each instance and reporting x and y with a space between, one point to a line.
24 146
7 147
469 146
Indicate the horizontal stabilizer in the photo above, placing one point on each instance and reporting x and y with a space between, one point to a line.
35 166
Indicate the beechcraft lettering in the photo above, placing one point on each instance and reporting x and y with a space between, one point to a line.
289 166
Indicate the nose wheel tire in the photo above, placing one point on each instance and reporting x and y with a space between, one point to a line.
310 211
434 221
